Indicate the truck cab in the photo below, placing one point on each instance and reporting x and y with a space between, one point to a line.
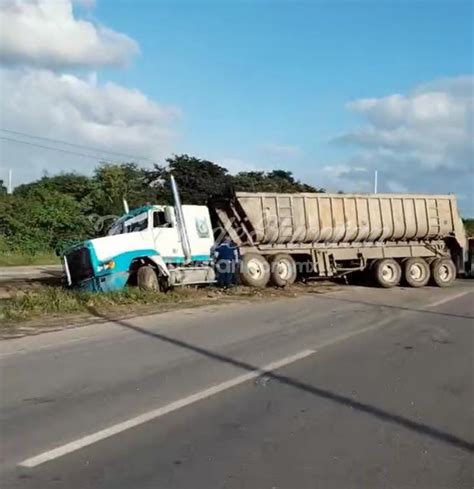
145 244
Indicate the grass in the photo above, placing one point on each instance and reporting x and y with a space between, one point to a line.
54 301
52 307
9 259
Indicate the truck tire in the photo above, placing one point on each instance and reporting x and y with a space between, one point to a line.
416 272
254 270
443 272
283 270
147 279
387 272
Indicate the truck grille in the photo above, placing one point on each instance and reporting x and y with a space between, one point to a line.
80 265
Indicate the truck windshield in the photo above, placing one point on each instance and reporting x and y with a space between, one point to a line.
136 226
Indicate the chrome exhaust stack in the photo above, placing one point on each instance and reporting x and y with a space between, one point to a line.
180 221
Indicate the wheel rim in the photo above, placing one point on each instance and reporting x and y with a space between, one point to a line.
283 269
389 272
445 273
255 269
417 272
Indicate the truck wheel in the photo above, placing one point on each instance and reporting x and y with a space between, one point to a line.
443 272
283 270
416 272
147 279
387 272
254 270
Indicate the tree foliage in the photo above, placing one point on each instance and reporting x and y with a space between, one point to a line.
55 211
469 225
114 183
42 220
274 181
197 179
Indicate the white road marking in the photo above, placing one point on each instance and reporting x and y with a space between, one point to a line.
198 396
449 299
157 413
186 401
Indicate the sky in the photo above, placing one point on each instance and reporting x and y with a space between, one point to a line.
330 90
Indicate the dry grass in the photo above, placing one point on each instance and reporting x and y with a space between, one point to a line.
18 259
50 307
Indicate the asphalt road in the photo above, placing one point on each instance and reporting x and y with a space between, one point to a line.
357 388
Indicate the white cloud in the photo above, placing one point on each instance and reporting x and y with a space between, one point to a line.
81 111
45 33
419 142
39 40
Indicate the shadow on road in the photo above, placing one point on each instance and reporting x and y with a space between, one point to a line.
339 399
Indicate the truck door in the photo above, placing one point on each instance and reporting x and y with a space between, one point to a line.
199 229
165 235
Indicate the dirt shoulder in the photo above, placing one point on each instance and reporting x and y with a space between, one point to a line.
47 309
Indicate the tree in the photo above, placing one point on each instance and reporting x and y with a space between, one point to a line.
42 220
78 186
55 211
113 183
469 226
274 181
197 179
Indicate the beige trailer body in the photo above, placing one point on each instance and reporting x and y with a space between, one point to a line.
336 234
309 218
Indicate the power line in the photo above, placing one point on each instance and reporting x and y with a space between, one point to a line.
60 141
94 157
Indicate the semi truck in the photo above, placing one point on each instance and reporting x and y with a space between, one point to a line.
395 237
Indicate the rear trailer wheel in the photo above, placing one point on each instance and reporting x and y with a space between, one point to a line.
387 272
283 270
416 272
147 279
443 272
254 270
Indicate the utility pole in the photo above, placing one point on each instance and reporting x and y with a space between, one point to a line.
10 175
376 181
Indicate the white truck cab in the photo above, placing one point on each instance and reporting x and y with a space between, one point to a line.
150 246
158 225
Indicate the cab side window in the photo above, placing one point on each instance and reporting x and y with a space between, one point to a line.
159 220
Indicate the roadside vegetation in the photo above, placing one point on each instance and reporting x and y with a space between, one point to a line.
42 218
54 307
13 259
469 225
52 300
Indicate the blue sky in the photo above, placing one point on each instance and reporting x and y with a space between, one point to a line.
330 90
248 74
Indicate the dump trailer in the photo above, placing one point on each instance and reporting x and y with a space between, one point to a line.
395 237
